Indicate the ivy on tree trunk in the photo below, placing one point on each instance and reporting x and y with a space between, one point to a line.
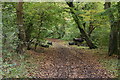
21 35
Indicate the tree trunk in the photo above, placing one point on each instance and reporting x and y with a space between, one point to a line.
113 39
21 35
118 28
91 28
39 31
76 19
28 35
119 38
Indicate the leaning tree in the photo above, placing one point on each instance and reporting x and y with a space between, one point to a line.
79 25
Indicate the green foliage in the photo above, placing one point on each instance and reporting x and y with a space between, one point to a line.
71 32
49 20
101 38
10 71
110 65
13 65
52 20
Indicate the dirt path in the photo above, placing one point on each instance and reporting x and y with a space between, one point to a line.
62 61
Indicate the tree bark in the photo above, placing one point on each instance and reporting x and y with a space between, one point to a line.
118 6
28 35
91 28
113 39
76 19
119 38
39 30
21 35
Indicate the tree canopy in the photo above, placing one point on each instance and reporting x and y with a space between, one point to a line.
45 34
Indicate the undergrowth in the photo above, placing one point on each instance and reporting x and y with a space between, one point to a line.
110 63
13 65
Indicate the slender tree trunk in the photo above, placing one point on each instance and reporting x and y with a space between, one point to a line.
91 28
28 31
39 31
119 38
21 35
118 28
76 19
28 35
38 35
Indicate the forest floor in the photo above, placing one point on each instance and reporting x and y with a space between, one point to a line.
64 61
